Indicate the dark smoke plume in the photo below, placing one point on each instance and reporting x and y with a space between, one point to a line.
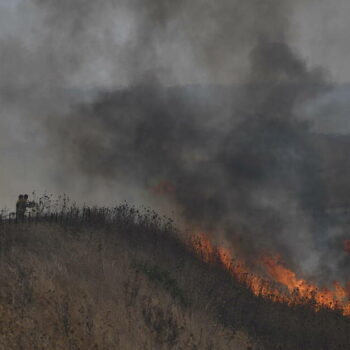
192 104
251 175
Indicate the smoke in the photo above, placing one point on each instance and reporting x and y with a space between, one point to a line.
198 108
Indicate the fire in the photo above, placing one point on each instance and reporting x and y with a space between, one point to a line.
297 291
347 246
163 188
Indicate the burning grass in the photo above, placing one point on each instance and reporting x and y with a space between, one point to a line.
299 291
106 278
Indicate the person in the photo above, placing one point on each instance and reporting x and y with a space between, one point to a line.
20 207
27 204
25 201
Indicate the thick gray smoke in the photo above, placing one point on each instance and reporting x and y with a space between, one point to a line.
199 108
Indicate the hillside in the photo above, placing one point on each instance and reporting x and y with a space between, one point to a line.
133 283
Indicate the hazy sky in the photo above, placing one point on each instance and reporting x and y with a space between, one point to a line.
50 50
318 30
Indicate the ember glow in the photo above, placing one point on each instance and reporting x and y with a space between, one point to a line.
280 285
163 188
347 246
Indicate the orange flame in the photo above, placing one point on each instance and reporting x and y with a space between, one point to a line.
163 188
347 246
298 291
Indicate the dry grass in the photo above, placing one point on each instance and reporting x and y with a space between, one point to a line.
120 279
80 289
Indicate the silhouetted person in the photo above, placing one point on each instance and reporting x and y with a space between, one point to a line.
20 207
25 202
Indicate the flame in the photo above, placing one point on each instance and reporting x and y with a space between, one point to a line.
296 291
347 246
163 188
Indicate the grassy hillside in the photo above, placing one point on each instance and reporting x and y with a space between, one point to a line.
132 283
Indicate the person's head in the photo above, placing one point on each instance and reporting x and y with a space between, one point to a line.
25 196
20 196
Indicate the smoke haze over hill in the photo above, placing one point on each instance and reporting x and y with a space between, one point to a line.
213 103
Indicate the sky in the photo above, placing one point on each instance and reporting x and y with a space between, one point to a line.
54 56
318 31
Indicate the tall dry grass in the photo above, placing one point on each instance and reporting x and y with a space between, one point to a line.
100 278
77 286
